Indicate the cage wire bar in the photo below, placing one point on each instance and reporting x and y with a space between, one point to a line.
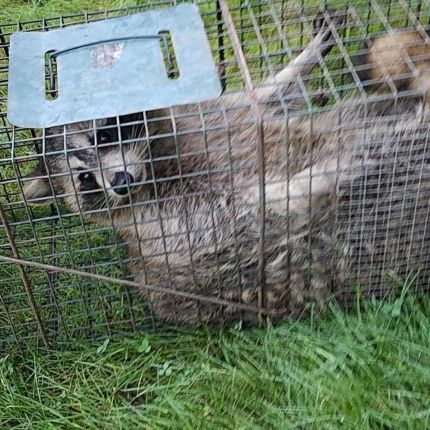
64 277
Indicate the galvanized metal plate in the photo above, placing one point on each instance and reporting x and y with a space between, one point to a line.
123 76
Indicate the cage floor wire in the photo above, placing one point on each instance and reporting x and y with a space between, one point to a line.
307 181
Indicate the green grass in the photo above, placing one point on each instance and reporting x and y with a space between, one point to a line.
369 369
365 370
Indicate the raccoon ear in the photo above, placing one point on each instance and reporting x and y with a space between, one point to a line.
36 188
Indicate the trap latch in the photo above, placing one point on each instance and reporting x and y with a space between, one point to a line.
112 67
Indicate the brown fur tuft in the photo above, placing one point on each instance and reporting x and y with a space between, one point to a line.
398 61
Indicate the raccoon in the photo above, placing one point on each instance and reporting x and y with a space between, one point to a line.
398 61
183 193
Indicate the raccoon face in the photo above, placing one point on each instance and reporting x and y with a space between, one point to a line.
91 170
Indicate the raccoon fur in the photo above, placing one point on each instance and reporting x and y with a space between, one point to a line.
346 190
398 61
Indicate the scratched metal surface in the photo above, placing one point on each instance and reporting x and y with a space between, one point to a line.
110 79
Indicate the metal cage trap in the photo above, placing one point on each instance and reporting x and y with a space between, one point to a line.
138 195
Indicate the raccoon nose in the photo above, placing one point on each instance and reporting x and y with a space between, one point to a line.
120 182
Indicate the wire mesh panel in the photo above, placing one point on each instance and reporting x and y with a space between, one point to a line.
306 181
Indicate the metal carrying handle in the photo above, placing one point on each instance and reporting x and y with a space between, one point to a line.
54 54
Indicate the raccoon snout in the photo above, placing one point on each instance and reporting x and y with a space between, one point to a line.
121 181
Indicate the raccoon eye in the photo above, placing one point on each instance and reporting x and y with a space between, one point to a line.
87 178
105 136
